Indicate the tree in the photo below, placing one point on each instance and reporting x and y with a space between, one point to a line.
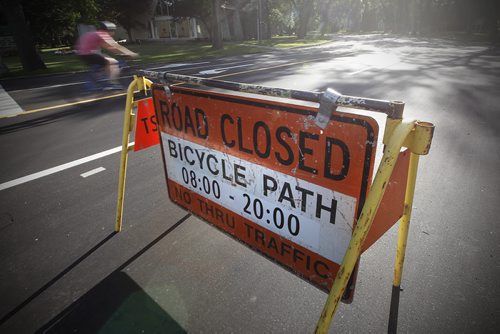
325 8
355 15
199 9
208 12
281 17
265 18
492 17
236 20
30 58
54 22
129 14
216 27
305 10
3 67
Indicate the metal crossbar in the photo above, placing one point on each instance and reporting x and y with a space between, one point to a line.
393 109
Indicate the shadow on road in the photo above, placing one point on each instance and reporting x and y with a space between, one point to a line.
55 279
116 305
83 111
393 315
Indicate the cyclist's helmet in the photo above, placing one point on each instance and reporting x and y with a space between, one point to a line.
106 25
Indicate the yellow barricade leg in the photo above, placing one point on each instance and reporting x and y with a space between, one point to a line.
142 84
404 224
364 223
127 121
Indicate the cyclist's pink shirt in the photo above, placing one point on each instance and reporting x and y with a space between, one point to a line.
92 42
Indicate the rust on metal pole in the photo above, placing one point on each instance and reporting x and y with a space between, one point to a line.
393 109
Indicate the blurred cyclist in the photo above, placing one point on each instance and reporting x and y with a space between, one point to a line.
89 47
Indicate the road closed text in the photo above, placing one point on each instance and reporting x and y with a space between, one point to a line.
309 152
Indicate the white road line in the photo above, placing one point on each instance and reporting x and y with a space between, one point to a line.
176 65
59 86
214 65
362 70
122 77
7 104
92 172
201 65
51 86
173 68
222 69
59 168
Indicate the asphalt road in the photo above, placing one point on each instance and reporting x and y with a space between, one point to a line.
63 269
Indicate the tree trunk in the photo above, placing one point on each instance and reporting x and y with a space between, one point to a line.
425 17
325 17
30 58
365 13
356 16
129 34
402 17
216 26
414 13
466 12
492 20
237 27
3 67
305 12
266 32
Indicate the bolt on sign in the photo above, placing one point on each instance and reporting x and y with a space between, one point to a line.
262 171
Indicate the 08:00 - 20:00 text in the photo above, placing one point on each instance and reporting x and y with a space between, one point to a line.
253 207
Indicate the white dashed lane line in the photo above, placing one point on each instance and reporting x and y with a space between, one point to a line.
92 172
53 170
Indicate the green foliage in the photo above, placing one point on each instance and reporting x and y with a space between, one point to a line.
282 17
128 13
54 22
200 9
150 53
192 8
287 42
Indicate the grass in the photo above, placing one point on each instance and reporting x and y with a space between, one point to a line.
286 42
155 52
168 53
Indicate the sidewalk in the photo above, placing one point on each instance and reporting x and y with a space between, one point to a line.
8 107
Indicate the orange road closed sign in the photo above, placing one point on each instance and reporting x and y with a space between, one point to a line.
262 171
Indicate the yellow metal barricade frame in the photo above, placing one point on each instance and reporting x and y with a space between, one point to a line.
414 135
138 84
417 137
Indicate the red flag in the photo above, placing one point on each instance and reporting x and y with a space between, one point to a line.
146 128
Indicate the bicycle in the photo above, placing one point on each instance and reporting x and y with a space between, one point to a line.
98 80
